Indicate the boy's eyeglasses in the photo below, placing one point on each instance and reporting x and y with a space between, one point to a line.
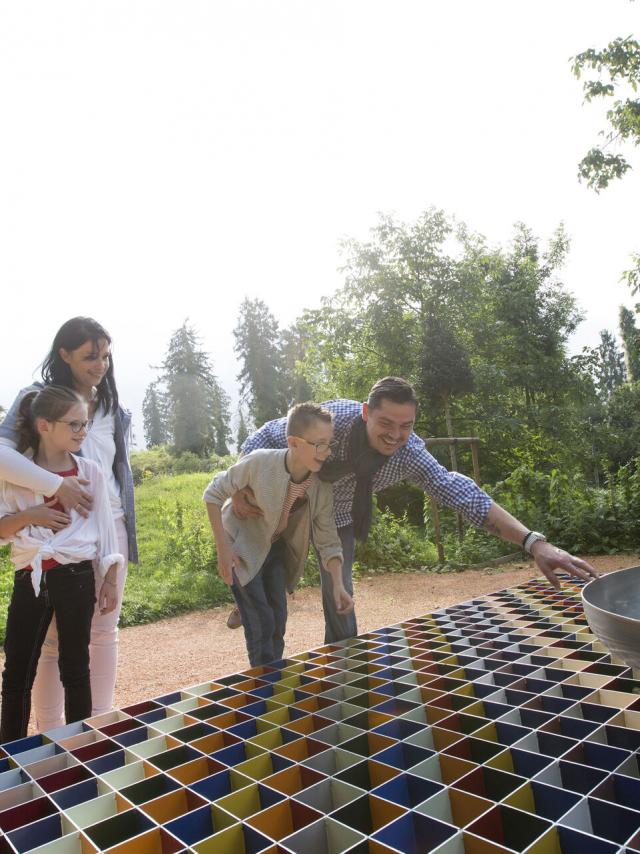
76 426
322 447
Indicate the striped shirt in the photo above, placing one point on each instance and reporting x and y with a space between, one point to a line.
410 462
295 491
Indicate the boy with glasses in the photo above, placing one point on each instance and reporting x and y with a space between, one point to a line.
377 448
263 557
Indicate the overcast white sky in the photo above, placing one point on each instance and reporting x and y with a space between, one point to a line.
162 160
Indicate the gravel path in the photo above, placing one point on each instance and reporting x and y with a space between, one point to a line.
182 651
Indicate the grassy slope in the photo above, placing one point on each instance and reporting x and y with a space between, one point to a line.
176 572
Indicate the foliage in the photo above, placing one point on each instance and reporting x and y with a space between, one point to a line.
418 292
616 70
621 427
293 345
444 365
614 77
161 460
631 343
574 515
605 364
186 404
393 545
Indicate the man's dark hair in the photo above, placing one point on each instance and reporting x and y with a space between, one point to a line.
303 415
394 389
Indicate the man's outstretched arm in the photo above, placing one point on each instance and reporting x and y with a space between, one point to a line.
547 556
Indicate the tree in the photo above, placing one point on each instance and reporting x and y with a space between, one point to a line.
616 75
243 430
197 408
631 343
609 370
220 403
154 416
444 371
623 425
257 347
616 70
414 288
293 346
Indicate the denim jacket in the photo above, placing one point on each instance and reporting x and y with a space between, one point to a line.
121 465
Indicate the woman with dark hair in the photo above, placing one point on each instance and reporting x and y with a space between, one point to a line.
80 358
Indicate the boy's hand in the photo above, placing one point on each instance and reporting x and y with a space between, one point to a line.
108 596
227 560
243 503
342 600
44 517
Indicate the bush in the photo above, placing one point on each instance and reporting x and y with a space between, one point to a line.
393 545
160 460
576 516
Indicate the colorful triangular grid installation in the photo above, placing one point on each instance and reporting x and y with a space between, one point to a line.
500 724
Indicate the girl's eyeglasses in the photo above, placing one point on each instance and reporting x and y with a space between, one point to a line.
76 426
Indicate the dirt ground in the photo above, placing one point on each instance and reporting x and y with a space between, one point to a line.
182 651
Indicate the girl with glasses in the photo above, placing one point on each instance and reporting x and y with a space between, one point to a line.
80 358
54 553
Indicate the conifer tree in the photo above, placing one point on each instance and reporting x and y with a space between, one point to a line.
631 343
243 430
261 376
154 416
197 408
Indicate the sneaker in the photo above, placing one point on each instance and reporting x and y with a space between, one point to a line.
234 620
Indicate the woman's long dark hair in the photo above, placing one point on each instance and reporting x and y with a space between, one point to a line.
71 335
51 403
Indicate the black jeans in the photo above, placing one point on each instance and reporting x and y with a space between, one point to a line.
69 593
263 607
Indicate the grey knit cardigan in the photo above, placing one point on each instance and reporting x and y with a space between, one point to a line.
265 472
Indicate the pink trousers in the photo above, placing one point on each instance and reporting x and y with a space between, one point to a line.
48 695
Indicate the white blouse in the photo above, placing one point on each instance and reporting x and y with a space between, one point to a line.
91 538
99 445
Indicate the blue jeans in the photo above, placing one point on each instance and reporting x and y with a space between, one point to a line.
339 626
263 607
68 592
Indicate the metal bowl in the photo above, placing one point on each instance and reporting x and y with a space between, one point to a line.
612 608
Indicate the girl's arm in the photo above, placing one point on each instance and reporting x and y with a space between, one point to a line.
15 468
42 515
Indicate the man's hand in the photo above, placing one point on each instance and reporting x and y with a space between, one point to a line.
43 516
342 600
243 503
73 496
549 558
108 596
227 560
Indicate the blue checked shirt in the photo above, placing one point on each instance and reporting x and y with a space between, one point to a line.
411 462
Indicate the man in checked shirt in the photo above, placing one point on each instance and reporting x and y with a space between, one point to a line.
377 448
